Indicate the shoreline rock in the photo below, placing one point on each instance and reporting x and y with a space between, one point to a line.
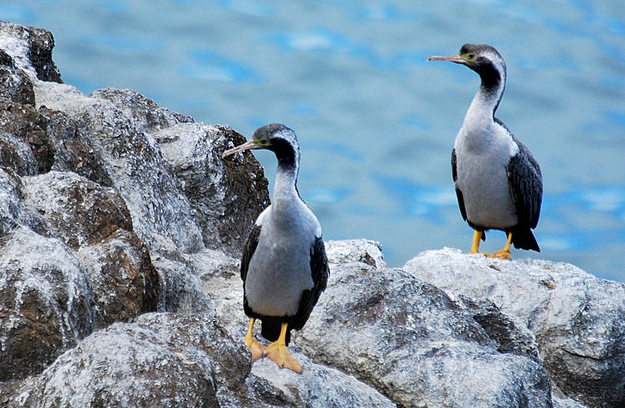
120 234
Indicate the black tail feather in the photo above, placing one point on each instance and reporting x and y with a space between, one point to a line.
270 329
523 238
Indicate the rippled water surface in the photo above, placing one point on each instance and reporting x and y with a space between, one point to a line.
376 121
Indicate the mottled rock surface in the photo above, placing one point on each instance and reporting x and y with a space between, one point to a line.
578 320
410 340
46 302
221 191
120 233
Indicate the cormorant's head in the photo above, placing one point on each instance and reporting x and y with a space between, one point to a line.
275 137
481 58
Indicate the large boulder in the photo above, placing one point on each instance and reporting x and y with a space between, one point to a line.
42 140
26 54
409 340
73 209
14 84
160 361
32 50
94 222
165 360
161 214
578 320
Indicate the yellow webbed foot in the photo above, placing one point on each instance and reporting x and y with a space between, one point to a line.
278 353
256 348
502 254
505 252
282 357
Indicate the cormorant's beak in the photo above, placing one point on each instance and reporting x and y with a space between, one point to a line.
251 144
452 58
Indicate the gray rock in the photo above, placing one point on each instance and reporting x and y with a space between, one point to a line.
578 320
14 84
74 209
221 281
46 302
505 331
409 340
145 364
317 387
125 283
43 140
24 123
146 115
73 150
563 402
227 196
181 290
16 155
166 360
355 250
25 53
94 222
161 214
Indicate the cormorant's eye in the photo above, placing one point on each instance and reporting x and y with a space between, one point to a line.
471 57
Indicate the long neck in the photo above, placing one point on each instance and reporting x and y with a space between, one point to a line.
481 113
285 186
491 89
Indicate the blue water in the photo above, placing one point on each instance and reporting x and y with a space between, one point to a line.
376 121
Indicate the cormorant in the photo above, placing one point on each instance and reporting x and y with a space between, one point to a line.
284 265
498 182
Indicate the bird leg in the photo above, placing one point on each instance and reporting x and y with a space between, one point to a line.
477 236
502 254
255 347
278 352
505 252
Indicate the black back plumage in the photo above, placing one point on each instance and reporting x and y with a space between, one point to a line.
526 188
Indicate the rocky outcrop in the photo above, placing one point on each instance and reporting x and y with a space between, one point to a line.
575 318
120 234
95 227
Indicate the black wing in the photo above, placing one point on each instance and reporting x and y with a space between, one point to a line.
526 186
454 174
250 247
319 271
